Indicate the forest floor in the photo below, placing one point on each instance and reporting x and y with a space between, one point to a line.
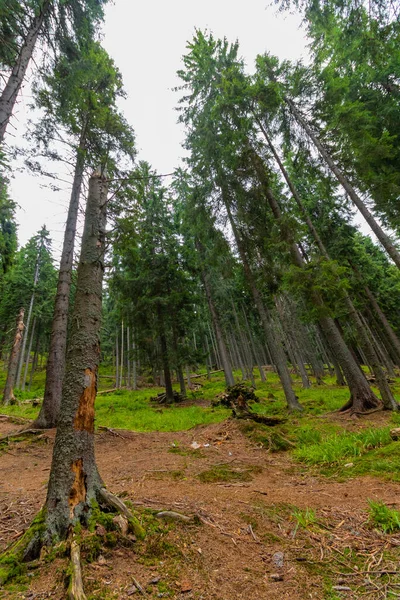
306 509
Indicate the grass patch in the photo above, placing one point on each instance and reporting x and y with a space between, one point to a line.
334 448
383 518
226 473
304 518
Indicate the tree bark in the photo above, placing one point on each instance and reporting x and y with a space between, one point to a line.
55 367
390 334
222 348
365 341
28 320
378 231
28 355
274 345
16 78
361 396
8 395
74 479
164 356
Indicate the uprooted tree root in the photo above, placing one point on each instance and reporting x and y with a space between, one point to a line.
237 397
102 527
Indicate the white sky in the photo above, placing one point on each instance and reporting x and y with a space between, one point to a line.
147 41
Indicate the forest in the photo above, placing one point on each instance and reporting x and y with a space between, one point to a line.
200 396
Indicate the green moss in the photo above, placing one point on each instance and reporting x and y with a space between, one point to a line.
12 565
226 473
136 528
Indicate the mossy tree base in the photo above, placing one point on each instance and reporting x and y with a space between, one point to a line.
37 541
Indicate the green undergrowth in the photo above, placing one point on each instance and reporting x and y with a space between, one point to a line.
14 562
384 518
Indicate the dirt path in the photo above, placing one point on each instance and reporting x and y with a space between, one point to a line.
249 544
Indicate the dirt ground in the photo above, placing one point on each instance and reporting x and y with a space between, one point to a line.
245 544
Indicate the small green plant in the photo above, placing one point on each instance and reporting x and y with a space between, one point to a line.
334 448
384 518
304 518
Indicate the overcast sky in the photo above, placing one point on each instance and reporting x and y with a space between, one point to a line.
147 41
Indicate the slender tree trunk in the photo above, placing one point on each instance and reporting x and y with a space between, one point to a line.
35 356
223 351
365 341
28 355
8 395
253 348
134 364
376 228
390 334
117 381
179 370
28 321
121 374
164 356
16 78
74 479
274 345
362 398
128 357
55 368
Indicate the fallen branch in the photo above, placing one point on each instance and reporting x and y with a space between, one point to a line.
14 434
206 374
112 431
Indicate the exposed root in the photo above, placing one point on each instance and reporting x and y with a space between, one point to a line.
112 431
20 432
13 419
75 588
110 499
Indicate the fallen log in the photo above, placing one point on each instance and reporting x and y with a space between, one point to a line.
205 374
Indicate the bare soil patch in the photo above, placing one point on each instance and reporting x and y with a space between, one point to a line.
247 542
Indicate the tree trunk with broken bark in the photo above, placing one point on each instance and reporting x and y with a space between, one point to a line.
55 367
74 479
8 395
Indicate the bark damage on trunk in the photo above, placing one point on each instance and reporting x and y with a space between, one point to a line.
75 486
8 395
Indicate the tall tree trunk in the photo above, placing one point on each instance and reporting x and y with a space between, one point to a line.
164 356
55 368
8 395
362 397
134 364
376 228
128 357
390 334
35 356
221 345
117 382
74 479
274 345
16 78
28 320
179 369
121 374
28 355
365 341
253 348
